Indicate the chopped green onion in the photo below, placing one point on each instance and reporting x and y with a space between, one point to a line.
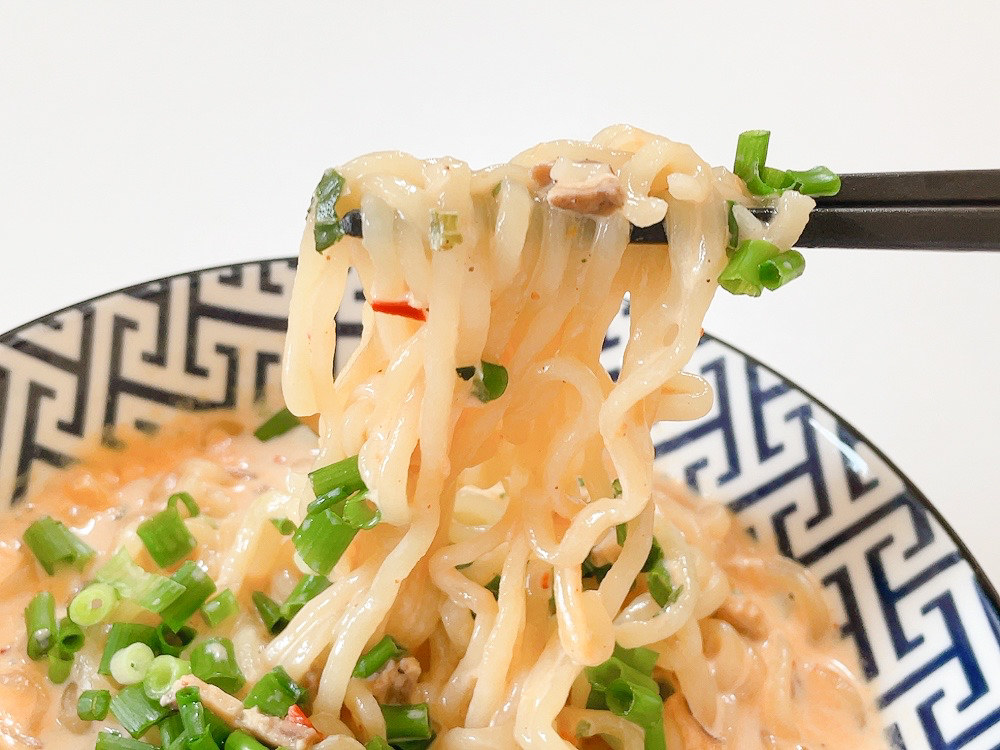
93 604
214 662
414 744
639 658
284 526
640 705
148 590
166 537
343 475
136 712
361 513
590 569
493 586
816 181
162 673
129 666
742 274
466 373
40 624
188 502
122 635
220 608
632 664
655 556
305 590
275 693
781 269
202 728
491 384
111 741
444 234
377 657
326 227
93 705
270 612
277 424
661 587
621 533
171 729
172 642
734 229
54 544
616 490
69 637
60 664
496 189
243 741
407 722
322 539
197 588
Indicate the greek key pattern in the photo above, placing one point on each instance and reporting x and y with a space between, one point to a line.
925 625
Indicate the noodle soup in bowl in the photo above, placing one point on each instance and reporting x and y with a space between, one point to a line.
913 607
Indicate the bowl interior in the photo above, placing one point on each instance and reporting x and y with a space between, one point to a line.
910 597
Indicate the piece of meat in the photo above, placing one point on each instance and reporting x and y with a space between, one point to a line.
271 730
395 682
585 187
542 173
744 615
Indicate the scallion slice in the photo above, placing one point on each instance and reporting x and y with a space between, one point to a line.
40 624
781 269
122 635
361 513
270 612
377 657
742 274
641 705
111 741
198 587
342 476
148 590
284 526
220 608
172 642
93 705
322 539
162 673
93 604
305 590
491 384
493 586
377 743
166 537
214 661
327 229
660 585
53 544
136 712
69 637
243 741
749 165
130 664
816 181
275 693
444 234
171 730
60 664
185 499
277 424
406 723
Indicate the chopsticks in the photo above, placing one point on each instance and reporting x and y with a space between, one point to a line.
947 210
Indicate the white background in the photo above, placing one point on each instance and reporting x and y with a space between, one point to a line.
139 139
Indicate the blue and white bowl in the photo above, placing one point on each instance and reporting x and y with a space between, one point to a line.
918 608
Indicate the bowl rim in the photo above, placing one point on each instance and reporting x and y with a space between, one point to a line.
982 580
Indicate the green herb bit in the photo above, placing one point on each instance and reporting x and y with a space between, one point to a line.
781 269
270 612
53 544
69 637
136 712
493 586
734 229
214 661
60 665
307 589
163 672
284 526
277 424
130 664
616 488
742 274
818 181
107 740
198 587
378 656
275 693
187 501
243 741
172 642
40 625
326 227
749 165
93 705
322 539
444 234
360 513
93 604
491 383
640 705
166 537
589 569
406 723
343 477
660 585
148 590
220 608
122 635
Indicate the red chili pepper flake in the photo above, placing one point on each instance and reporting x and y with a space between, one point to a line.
399 307
297 716
544 580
